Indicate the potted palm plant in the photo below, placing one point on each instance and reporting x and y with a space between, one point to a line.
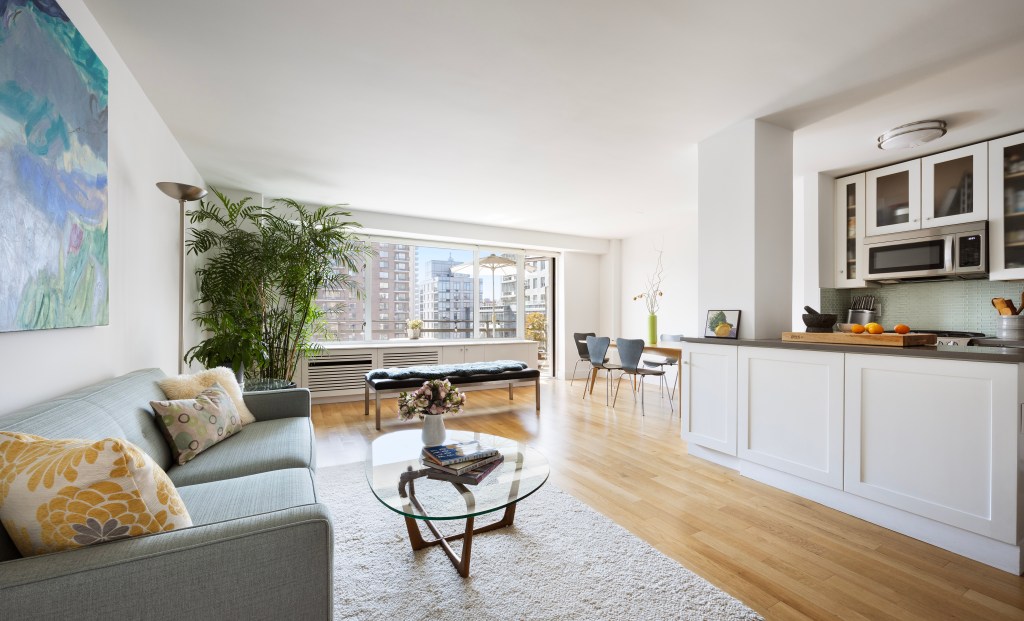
261 270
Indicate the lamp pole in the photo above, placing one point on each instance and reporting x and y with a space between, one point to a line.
182 192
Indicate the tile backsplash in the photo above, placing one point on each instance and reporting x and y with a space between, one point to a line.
947 305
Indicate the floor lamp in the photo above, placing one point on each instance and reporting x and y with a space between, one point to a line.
181 192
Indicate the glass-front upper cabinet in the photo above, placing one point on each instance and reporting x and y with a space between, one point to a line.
1006 207
954 186
849 236
893 199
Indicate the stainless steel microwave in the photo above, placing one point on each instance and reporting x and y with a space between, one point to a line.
941 253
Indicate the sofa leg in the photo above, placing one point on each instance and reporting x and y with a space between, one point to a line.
366 399
510 392
536 387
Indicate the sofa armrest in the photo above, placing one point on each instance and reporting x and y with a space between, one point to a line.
274 404
276 565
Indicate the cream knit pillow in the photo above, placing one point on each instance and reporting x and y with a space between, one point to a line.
189 387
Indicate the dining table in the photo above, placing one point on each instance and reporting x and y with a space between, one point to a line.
672 349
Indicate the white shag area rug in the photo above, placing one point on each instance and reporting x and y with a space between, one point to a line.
559 560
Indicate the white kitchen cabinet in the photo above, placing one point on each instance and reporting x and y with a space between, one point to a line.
486 352
849 232
893 199
527 352
709 396
954 186
936 438
457 354
1006 207
790 412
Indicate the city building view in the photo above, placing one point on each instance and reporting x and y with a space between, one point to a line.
401 281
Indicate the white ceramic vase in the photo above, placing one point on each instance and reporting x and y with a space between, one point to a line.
433 430
414 333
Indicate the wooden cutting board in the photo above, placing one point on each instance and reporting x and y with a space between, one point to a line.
888 339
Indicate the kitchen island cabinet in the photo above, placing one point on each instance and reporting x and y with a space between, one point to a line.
708 396
937 438
790 412
925 442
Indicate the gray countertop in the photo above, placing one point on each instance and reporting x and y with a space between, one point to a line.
949 352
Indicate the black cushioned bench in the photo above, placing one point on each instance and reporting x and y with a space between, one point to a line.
386 385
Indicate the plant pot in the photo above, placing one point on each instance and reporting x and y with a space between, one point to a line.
433 430
414 333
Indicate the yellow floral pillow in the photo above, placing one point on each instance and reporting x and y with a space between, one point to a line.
62 494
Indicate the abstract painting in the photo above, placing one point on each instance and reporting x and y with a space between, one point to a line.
53 172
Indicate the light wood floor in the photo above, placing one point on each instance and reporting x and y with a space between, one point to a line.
786 557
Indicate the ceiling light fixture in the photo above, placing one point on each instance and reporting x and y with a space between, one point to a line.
912 135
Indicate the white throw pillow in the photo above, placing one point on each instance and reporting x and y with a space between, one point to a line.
190 386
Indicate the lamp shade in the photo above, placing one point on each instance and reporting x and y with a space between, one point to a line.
181 191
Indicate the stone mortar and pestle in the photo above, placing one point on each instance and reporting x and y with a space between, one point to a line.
818 322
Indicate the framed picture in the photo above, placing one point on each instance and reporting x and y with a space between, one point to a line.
722 324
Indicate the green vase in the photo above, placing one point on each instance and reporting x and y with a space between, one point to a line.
652 329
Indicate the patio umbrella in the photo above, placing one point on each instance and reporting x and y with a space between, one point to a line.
497 265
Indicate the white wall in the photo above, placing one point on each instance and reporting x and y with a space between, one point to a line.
726 191
468 233
579 307
809 226
745 227
773 236
143 237
678 308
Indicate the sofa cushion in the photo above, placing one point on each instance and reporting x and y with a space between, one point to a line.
114 408
218 501
189 386
262 447
64 494
192 426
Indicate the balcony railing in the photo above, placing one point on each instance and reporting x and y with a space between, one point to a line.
432 329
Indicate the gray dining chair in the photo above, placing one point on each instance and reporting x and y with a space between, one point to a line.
597 348
580 338
660 362
630 352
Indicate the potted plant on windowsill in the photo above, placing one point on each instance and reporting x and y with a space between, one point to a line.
262 268
413 328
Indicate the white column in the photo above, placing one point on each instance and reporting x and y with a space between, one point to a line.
745 226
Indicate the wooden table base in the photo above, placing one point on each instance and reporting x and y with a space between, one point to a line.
461 563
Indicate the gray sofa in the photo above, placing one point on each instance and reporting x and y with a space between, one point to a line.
261 546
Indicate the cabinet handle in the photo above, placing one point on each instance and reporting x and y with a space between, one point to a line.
914 220
928 218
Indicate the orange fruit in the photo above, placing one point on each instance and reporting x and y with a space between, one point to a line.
856 328
901 328
874 328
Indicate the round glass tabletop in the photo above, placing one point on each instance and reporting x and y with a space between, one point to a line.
523 471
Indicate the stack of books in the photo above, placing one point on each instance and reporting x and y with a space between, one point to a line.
463 462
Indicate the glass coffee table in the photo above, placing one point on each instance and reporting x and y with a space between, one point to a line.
399 481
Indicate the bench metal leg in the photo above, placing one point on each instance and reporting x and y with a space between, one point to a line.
377 395
510 392
536 385
366 399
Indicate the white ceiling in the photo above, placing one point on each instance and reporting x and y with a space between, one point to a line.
572 116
